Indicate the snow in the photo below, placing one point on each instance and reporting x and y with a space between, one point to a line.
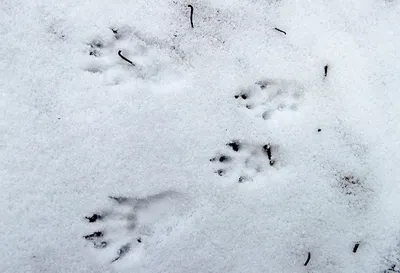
79 124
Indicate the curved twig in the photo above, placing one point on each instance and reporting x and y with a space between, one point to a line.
356 247
125 59
308 259
191 15
280 30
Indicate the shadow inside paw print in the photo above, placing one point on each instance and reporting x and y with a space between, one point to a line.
349 184
392 261
244 159
266 97
123 53
354 190
121 228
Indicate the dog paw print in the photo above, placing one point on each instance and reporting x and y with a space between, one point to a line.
122 53
266 97
126 224
355 191
243 160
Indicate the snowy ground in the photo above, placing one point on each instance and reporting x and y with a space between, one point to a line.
225 147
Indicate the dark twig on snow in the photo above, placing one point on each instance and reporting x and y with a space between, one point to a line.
326 70
280 30
125 59
356 247
308 259
191 15
267 150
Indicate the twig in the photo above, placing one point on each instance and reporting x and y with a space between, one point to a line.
191 15
267 150
125 59
280 30
356 247
326 70
308 259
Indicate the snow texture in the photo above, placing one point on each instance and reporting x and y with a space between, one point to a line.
132 142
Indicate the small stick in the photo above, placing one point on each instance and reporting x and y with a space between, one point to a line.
308 259
267 149
280 30
326 70
356 247
125 59
191 15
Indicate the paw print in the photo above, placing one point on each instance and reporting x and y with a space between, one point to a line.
127 223
122 53
243 160
355 191
392 261
266 97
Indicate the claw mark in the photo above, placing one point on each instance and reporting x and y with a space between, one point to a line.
125 59
263 84
243 96
222 158
102 244
267 150
242 179
96 234
120 200
308 259
356 247
122 252
94 218
280 30
191 15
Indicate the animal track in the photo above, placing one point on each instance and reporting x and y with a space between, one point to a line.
393 260
244 159
127 223
266 97
151 58
355 191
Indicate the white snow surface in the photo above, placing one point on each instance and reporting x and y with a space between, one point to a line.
79 124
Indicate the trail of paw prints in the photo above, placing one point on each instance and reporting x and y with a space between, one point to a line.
264 98
127 224
122 54
244 160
